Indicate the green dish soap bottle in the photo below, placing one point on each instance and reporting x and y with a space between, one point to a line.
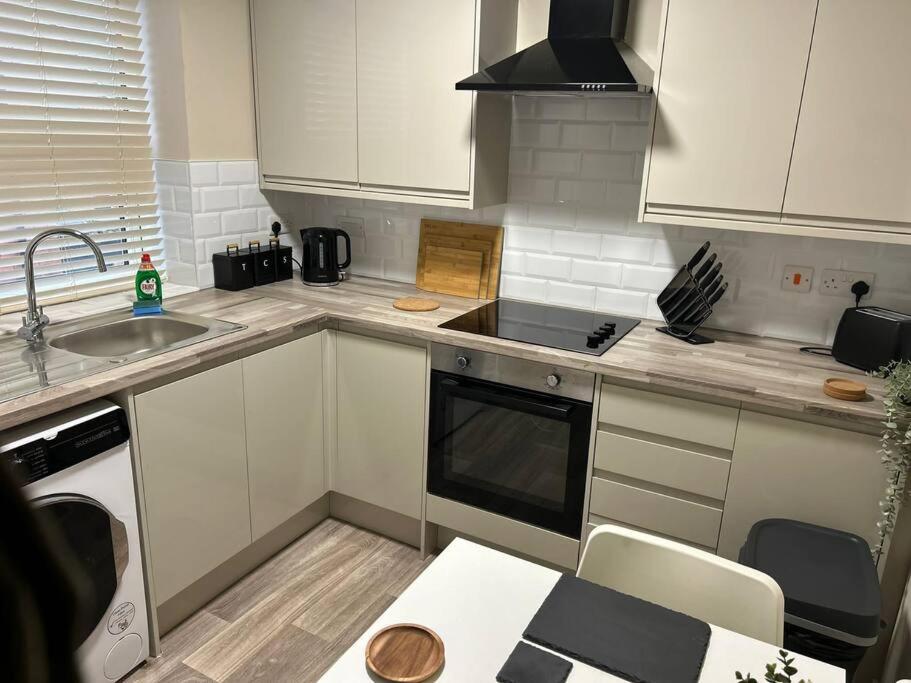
148 281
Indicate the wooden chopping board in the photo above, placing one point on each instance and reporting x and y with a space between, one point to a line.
456 270
486 249
449 270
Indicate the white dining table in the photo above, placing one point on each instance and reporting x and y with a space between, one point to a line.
480 600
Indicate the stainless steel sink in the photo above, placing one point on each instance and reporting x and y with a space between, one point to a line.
120 337
128 337
70 350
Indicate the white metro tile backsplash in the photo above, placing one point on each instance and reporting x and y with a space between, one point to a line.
205 205
572 237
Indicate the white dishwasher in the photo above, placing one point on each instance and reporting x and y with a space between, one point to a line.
77 472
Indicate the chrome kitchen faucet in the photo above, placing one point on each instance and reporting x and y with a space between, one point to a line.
35 320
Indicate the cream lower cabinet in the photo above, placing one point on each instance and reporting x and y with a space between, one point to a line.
283 400
797 470
227 456
661 464
192 442
381 394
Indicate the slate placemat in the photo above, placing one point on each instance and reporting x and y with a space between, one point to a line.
625 636
529 664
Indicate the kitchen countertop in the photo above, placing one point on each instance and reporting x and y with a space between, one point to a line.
754 370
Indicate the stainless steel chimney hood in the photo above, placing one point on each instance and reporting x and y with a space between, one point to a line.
581 55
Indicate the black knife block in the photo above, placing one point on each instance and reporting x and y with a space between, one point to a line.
685 294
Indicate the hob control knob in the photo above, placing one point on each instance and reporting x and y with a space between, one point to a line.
552 380
463 362
593 341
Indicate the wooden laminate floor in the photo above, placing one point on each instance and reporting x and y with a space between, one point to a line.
294 616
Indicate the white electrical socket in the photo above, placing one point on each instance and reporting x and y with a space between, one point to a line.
353 225
797 279
839 282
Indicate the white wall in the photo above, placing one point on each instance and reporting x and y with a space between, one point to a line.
572 237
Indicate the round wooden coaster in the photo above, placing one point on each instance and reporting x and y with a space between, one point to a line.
844 389
417 304
405 653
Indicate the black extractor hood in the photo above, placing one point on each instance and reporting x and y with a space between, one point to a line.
582 55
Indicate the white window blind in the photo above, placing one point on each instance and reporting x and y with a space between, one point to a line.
74 146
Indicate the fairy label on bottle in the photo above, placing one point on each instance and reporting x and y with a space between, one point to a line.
149 288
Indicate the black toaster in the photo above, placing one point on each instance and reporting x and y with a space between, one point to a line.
870 337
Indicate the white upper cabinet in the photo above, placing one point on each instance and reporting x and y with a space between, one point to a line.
306 89
357 98
728 99
783 116
852 156
414 127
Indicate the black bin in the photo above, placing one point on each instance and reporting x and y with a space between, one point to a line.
233 269
831 590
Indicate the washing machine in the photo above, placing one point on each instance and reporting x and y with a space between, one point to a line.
76 469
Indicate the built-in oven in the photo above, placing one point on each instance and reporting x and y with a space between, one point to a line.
510 436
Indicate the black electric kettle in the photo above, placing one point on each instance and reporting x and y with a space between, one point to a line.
320 266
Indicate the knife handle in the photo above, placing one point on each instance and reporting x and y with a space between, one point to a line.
718 294
697 257
704 268
713 286
708 277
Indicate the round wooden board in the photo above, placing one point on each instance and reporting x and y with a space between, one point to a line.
844 389
405 653
416 304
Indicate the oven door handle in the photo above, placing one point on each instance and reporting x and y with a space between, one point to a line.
559 411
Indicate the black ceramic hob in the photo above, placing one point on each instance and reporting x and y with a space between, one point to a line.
560 328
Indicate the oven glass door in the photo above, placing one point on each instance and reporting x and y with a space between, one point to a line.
511 451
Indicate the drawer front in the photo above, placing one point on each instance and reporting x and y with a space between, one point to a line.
655 511
677 468
594 522
671 416
499 530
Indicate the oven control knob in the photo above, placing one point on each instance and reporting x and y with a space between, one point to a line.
552 380
463 362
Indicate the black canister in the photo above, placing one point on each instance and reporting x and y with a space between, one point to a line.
263 264
233 269
284 266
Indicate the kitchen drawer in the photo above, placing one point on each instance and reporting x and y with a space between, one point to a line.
671 416
650 510
594 522
499 530
677 468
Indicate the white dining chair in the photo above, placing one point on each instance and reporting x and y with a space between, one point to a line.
685 579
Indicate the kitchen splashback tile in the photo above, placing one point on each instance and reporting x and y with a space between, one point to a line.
237 173
597 272
203 173
569 294
576 243
621 302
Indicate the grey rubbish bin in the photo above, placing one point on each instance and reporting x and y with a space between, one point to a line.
830 586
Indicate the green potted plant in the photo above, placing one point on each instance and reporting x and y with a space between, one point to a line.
772 673
895 445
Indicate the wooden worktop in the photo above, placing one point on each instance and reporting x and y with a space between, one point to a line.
754 370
